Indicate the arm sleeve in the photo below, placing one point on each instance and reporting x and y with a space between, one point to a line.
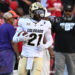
48 38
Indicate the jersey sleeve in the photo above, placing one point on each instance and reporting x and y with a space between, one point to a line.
20 26
19 29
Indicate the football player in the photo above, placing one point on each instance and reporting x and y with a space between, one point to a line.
32 32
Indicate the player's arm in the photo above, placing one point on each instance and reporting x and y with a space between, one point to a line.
49 39
52 54
20 35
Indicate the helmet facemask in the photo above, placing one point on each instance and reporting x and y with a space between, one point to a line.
39 14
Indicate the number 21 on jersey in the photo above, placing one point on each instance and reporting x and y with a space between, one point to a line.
33 37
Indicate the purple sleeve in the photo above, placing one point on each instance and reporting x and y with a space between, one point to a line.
11 32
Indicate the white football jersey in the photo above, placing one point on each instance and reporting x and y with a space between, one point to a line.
36 32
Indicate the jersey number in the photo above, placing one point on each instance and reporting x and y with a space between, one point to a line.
34 36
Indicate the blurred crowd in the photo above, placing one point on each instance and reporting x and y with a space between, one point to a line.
21 7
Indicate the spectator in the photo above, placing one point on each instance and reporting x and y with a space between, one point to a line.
15 24
7 47
55 7
31 52
17 16
65 42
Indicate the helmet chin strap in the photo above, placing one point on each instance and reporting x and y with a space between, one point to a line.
67 18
